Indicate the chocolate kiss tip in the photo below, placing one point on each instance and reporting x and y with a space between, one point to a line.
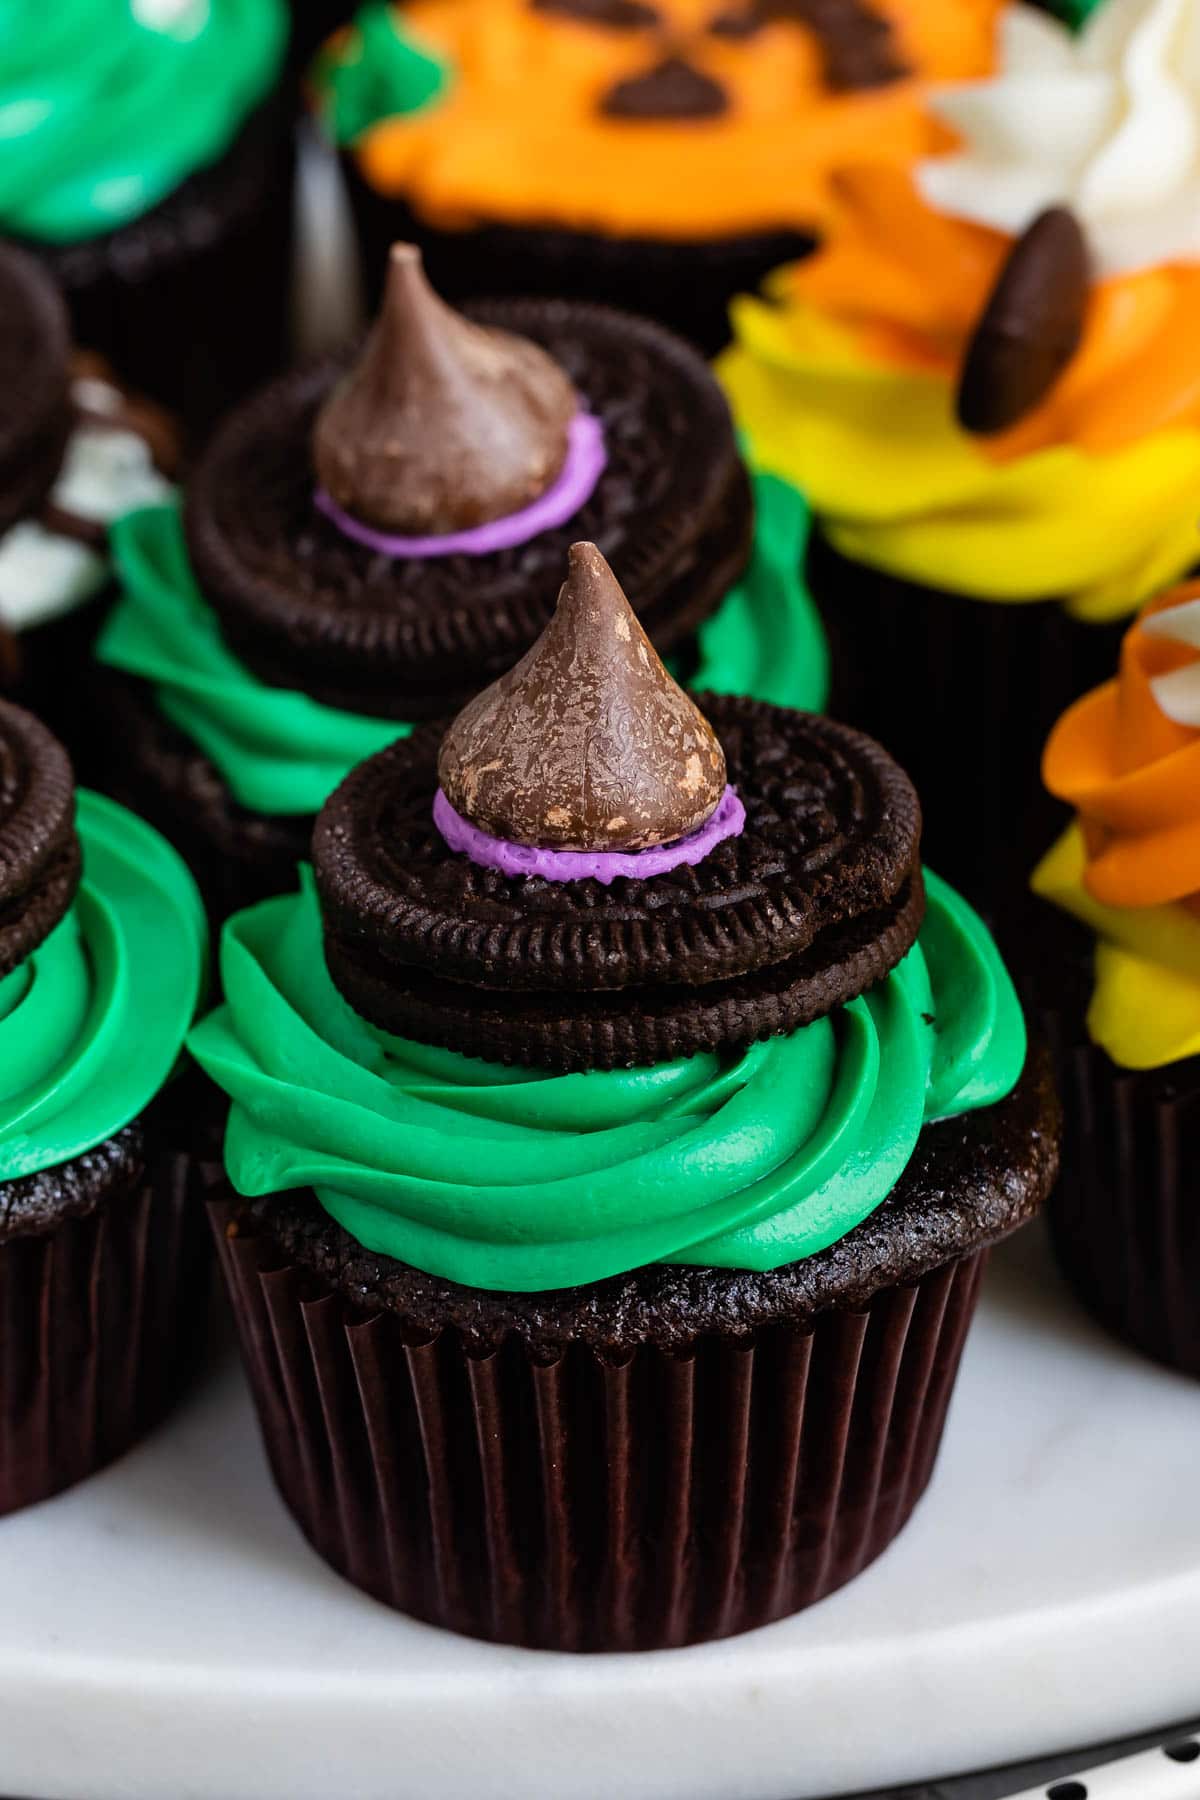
588 744
440 425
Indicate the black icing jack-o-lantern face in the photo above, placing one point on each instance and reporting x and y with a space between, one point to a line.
856 45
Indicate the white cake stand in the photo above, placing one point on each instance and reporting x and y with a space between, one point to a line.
165 1631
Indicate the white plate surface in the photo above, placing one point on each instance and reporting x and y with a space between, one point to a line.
165 1631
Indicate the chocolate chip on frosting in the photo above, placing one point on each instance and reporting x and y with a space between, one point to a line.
588 744
1031 326
441 425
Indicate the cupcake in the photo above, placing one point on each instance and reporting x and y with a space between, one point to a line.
102 1253
152 174
658 155
619 1125
1119 982
987 386
76 449
368 545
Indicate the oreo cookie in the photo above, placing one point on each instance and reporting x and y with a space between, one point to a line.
310 608
816 899
36 418
39 850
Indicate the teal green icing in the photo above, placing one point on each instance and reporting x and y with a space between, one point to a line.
94 1026
103 113
376 71
279 751
518 1179
766 639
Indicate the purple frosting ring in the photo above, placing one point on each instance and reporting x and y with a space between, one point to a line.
582 865
571 488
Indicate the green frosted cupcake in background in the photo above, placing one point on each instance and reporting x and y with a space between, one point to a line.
272 635
148 161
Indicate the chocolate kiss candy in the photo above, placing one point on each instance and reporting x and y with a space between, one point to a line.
1031 326
440 425
587 744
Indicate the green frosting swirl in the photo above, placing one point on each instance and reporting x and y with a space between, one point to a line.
103 111
92 1024
377 71
520 1180
281 752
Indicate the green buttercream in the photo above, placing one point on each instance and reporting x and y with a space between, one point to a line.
103 113
92 1024
514 1179
374 72
1075 12
281 752
766 639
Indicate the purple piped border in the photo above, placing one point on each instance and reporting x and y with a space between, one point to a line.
571 488
581 865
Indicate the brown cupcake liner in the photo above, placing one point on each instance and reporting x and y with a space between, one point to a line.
687 285
583 1502
190 301
963 693
102 1318
1124 1220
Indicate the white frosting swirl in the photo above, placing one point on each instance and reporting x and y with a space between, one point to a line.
1178 693
1105 121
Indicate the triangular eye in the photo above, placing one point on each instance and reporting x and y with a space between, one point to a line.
855 40
611 15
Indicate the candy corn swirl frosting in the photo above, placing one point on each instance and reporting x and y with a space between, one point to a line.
847 375
576 113
1127 758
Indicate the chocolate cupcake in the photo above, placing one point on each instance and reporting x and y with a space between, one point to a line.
76 450
657 155
102 1256
369 543
987 386
152 174
1117 977
642 1330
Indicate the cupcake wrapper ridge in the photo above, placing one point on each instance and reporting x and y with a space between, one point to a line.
587 1503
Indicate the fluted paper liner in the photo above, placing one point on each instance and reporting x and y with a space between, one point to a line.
581 1503
1124 1219
963 692
101 1318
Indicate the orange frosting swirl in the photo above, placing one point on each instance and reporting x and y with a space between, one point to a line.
519 134
1131 769
910 283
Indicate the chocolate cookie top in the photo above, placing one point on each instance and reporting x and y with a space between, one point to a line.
39 851
308 606
35 413
800 901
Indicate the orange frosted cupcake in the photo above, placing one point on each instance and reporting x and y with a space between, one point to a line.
988 385
1119 975
657 154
